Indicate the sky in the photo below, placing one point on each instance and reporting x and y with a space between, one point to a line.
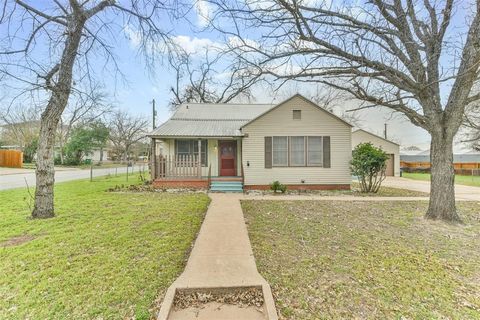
141 85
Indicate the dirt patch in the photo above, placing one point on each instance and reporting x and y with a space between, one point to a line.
243 297
17 240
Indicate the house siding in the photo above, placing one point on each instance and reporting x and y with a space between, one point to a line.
361 136
314 122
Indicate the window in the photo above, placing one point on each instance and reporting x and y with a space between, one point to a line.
280 151
190 148
297 114
297 151
315 151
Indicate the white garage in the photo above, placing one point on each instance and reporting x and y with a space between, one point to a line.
390 147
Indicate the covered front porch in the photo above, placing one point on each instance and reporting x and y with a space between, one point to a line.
196 162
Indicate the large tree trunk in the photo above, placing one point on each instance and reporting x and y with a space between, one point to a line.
442 188
45 173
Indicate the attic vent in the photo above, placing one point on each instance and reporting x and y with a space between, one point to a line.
297 114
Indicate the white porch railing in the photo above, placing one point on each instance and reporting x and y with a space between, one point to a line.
177 167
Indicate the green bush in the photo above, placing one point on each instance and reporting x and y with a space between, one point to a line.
368 165
276 186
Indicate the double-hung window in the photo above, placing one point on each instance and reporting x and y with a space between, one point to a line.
297 151
280 151
315 151
189 147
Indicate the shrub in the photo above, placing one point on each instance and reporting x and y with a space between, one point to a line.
368 165
276 186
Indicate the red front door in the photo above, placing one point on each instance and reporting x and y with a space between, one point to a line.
228 153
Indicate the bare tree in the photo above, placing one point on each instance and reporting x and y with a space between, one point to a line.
52 46
82 110
471 132
21 126
203 79
125 132
402 55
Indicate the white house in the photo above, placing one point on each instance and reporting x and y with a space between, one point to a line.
230 146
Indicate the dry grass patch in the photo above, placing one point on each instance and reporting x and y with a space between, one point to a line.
372 260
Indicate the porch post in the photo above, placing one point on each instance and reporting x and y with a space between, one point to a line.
153 160
199 158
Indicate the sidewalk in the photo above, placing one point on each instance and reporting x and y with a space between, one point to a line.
222 258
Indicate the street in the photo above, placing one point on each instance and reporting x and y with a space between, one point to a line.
19 178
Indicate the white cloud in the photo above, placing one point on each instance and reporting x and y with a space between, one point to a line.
194 45
203 10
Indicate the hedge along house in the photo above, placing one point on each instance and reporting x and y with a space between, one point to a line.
228 147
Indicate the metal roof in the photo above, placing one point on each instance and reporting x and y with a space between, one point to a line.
199 128
217 119
209 120
227 111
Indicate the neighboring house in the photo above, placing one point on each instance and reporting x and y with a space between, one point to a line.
295 142
390 147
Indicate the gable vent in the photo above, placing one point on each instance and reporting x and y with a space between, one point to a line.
297 114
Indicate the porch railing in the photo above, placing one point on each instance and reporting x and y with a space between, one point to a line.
178 167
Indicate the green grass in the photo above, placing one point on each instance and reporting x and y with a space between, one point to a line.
464 180
366 260
104 256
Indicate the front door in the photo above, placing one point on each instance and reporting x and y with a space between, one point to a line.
228 153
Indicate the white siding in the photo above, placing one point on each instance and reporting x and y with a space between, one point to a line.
314 122
361 136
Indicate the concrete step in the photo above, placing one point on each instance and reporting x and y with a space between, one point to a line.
226 186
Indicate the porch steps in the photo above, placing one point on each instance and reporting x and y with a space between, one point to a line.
226 186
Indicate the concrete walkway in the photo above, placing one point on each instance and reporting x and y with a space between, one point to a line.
221 258
462 192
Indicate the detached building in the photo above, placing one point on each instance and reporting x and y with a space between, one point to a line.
390 147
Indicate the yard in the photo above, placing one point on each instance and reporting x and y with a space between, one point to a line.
465 180
331 260
106 255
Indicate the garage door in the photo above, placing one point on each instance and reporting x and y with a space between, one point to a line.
389 171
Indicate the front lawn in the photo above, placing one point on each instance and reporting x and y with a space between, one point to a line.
465 180
104 256
366 260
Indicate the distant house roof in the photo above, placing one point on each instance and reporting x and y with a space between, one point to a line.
215 120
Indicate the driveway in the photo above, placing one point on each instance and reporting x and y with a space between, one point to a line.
461 192
19 178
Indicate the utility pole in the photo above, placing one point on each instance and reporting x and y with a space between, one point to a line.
154 114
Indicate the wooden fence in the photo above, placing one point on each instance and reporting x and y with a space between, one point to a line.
178 167
461 168
11 158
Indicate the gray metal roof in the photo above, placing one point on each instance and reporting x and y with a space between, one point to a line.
217 119
209 120
226 111
199 128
